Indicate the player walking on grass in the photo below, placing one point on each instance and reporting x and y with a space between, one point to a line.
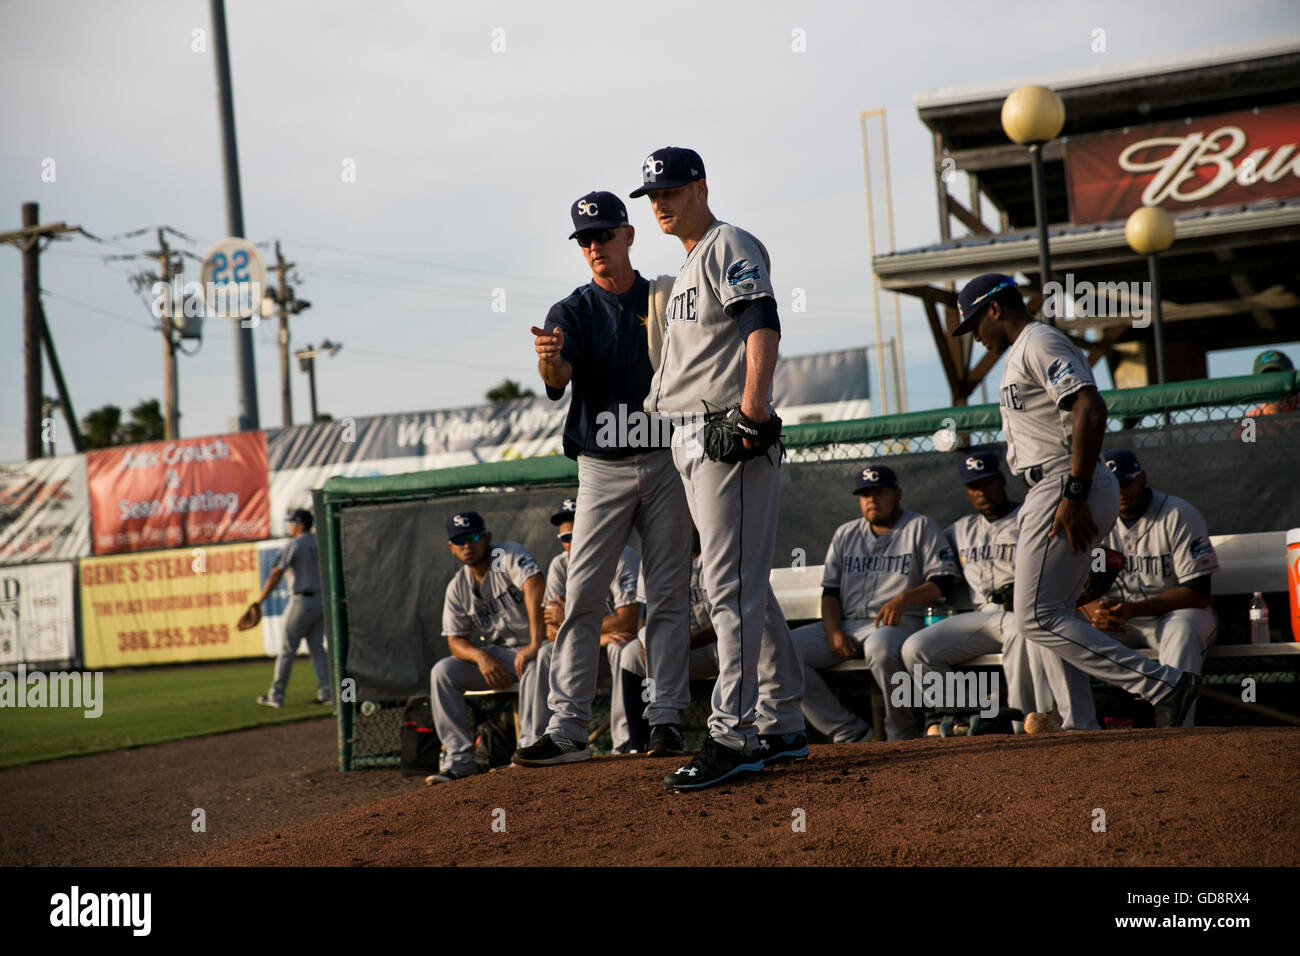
1054 419
720 348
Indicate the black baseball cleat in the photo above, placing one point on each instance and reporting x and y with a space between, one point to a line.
1172 709
713 764
445 776
779 748
666 740
549 751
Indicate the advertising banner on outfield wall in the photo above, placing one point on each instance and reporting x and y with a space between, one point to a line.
169 606
37 614
828 386
182 492
44 510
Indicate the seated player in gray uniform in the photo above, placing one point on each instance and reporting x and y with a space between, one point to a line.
881 572
981 542
303 617
617 628
497 597
703 665
1162 597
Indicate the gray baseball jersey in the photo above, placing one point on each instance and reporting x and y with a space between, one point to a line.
870 569
493 608
704 354
986 551
700 607
299 558
1042 368
623 590
1166 546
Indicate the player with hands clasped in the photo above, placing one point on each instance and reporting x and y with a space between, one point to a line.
881 571
596 341
497 596
1162 597
1054 419
719 353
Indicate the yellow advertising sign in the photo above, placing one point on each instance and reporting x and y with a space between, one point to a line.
168 606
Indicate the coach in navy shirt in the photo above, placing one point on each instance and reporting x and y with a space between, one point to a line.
596 341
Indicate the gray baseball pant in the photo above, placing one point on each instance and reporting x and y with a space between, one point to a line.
614 496
1181 637
448 681
1049 579
882 649
303 618
704 664
735 507
963 637
533 691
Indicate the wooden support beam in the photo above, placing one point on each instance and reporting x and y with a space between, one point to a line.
946 358
1002 157
967 218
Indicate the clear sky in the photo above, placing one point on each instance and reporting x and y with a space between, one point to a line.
467 159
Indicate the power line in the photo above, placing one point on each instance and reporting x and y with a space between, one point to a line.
422 263
95 308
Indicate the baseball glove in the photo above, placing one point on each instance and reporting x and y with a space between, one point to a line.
250 618
1099 582
726 429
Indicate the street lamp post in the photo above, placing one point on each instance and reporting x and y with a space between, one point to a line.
1148 232
307 363
1033 116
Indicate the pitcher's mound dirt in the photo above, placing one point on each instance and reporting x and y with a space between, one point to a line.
1221 797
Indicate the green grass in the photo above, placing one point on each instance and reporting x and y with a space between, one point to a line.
152 705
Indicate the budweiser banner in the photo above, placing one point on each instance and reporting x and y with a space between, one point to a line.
36 614
187 491
44 510
1211 161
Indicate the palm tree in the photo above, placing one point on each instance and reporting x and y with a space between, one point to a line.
508 391
104 428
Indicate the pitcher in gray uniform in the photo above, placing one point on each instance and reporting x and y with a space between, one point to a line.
1162 597
720 347
1053 419
596 342
303 617
497 597
881 571
983 542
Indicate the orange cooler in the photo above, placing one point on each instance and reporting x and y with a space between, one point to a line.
1293 578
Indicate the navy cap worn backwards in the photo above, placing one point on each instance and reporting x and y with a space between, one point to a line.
1123 463
597 210
669 168
976 294
874 476
1272 361
565 512
464 522
978 465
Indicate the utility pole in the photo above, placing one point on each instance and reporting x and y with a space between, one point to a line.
288 304
171 388
307 363
28 240
248 415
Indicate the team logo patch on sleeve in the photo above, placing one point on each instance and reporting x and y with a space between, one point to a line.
1059 370
740 270
1200 547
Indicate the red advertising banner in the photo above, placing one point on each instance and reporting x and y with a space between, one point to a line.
1211 161
187 491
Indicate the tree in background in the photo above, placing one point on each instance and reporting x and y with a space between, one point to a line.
104 428
508 391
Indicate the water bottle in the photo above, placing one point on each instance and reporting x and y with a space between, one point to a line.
1258 619
935 613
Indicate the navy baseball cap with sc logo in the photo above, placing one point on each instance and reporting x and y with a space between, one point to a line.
597 210
464 522
976 294
874 476
565 512
669 168
977 466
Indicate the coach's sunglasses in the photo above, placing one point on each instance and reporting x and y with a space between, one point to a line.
585 239
565 537
470 537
